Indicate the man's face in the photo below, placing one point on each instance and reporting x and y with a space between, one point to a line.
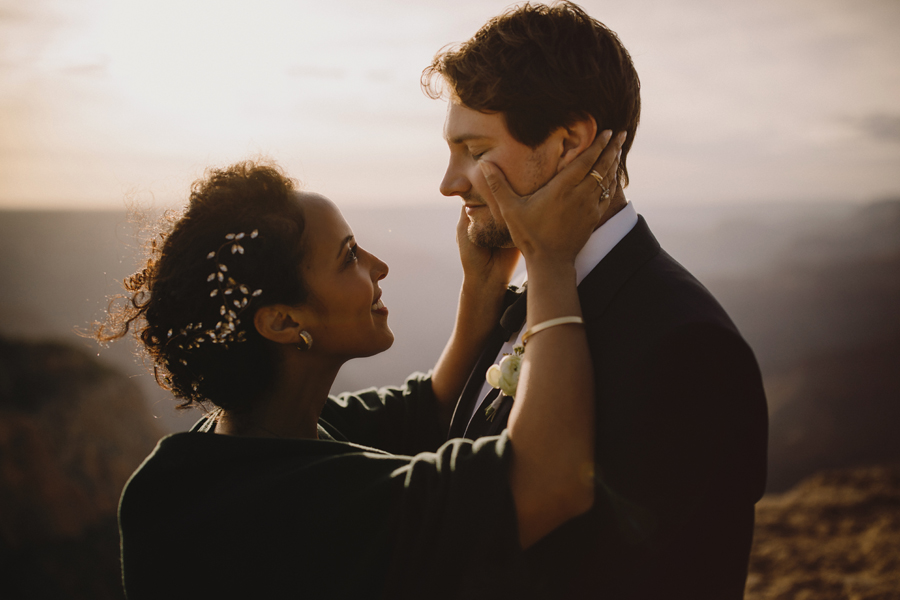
474 135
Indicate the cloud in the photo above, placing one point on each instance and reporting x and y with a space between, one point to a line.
86 69
880 126
315 72
10 13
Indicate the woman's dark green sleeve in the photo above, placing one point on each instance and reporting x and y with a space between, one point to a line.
401 420
455 529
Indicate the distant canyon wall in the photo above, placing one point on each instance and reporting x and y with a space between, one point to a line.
71 433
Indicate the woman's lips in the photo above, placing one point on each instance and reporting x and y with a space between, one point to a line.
379 307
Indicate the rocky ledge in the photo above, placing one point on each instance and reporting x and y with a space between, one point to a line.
834 536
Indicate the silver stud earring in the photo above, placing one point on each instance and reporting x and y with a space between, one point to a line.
307 342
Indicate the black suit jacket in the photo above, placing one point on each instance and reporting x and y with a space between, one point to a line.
681 442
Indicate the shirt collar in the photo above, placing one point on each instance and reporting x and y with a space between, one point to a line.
602 240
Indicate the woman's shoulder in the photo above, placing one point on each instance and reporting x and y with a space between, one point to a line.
197 448
192 468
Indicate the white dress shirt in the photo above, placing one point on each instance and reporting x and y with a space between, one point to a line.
604 239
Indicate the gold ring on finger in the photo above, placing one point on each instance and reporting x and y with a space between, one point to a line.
597 177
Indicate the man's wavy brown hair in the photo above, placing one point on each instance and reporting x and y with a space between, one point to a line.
543 67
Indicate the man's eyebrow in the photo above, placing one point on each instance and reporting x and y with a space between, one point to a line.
466 137
344 242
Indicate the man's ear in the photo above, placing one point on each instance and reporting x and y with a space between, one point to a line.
279 323
577 138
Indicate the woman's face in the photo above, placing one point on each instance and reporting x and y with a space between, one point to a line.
345 314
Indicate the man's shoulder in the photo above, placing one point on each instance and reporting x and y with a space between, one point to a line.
667 280
640 280
666 295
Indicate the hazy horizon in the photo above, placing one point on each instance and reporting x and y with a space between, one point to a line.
59 267
814 292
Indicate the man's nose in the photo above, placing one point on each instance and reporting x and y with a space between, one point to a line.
455 182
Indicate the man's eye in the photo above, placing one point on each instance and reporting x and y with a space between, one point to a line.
477 156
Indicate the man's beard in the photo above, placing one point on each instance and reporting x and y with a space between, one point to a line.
487 233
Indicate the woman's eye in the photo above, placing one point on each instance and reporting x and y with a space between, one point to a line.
351 254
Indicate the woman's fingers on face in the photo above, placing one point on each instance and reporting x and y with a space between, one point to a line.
613 167
502 194
610 154
603 139
582 165
597 149
607 166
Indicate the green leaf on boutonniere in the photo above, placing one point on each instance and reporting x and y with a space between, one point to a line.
491 411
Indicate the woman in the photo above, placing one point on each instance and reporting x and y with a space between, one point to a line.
252 302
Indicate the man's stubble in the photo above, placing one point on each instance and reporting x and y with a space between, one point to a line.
490 234
487 234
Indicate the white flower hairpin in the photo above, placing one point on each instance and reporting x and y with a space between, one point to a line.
235 299
235 296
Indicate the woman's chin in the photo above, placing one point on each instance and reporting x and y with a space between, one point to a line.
385 341
389 341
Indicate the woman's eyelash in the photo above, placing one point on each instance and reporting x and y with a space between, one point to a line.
351 254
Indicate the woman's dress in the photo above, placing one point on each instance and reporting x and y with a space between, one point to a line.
376 507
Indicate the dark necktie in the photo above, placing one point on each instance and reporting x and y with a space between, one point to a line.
514 316
510 323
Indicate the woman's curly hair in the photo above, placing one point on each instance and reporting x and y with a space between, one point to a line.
237 247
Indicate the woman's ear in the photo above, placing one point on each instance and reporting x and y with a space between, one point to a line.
577 138
279 323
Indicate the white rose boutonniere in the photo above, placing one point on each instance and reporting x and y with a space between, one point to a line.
505 377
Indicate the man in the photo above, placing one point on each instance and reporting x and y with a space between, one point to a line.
681 414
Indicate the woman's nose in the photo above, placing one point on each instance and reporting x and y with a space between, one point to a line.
379 269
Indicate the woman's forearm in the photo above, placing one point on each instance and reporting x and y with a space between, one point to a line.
552 422
477 315
551 426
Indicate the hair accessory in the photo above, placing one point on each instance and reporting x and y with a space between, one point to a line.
548 324
235 296
597 177
307 341
235 299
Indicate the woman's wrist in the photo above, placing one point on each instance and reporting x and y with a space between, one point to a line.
481 296
479 310
551 272
552 292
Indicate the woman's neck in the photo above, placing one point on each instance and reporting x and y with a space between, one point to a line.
292 408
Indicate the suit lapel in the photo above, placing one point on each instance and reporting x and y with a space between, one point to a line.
600 286
595 292
481 425
474 384
514 303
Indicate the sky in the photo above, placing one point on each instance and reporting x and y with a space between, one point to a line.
106 102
